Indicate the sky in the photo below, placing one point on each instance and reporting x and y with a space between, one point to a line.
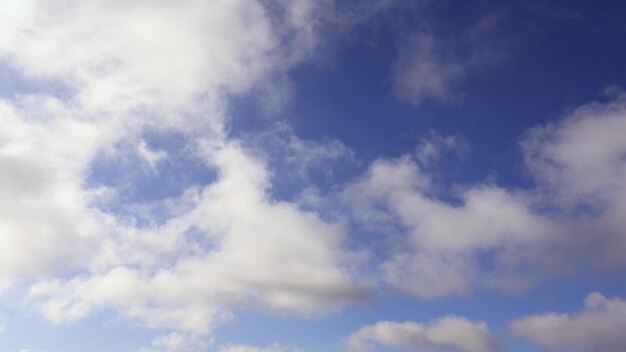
312 175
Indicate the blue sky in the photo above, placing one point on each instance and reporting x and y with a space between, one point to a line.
281 176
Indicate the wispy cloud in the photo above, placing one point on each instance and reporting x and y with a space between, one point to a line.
431 66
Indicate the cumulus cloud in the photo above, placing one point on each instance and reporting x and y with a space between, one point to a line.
565 154
115 60
446 238
43 204
120 56
580 166
155 66
224 244
236 246
485 236
449 332
599 326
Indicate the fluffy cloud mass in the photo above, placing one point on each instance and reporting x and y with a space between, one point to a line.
439 254
448 332
493 237
233 245
125 71
44 158
160 56
579 163
124 189
598 327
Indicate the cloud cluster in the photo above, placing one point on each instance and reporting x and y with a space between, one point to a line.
488 236
127 69
124 71
234 245
159 56
440 252
580 166
598 327
45 148
449 332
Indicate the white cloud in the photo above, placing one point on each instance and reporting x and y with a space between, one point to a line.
431 67
446 238
229 245
127 67
148 54
488 236
598 327
449 332
234 246
159 66
43 158
586 143
579 163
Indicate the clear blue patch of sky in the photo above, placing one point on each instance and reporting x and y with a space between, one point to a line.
137 182
99 332
14 82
